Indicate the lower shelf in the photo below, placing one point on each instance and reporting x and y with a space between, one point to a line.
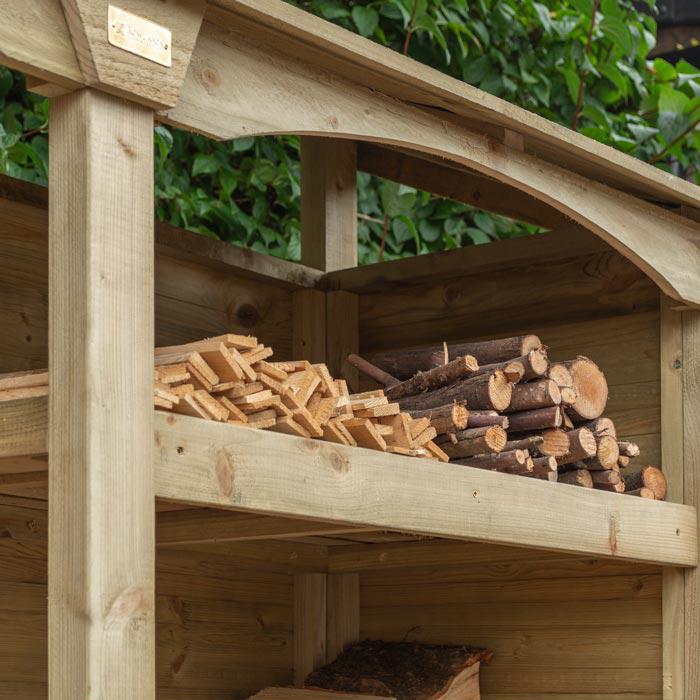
223 466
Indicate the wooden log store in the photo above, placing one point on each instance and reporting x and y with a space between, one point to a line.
148 554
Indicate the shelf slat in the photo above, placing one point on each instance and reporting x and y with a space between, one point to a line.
223 466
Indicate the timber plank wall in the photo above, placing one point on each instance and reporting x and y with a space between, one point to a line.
193 299
224 623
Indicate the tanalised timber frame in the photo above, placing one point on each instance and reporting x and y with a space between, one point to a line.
243 67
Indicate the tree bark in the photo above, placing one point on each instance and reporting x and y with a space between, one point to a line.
628 449
601 426
582 445
538 419
513 462
474 441
531 366
449 418
478 419
405 363
372 371
453 371
606 477
577 477
531 443
492 392
650 478
532 395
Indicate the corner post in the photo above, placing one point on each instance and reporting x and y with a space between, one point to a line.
680 448
101 325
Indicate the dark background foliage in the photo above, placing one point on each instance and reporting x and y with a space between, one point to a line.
582 63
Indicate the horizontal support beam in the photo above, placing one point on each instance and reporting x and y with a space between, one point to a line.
445 180
215 465
199 526
223 100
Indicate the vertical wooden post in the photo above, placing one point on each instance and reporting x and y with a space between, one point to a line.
673 593
680 448
343 335
309 325
328 203
101 515
309 624
691 484
343 613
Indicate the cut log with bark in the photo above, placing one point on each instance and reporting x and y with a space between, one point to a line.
544 466
446 419
473 441
513 462
532 395
601 426
628 449
582 445
453 371
404 670
405 363
560 374
643 492
651 478
479 419
606 477
619 487
486 391
577 477
606 456
537 419
531 366
531 443
591 389
372 371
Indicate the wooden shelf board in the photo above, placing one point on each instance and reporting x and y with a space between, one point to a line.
207 464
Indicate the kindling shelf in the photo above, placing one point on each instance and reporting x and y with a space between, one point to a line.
223 466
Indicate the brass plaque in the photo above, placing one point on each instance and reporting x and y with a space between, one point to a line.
140 36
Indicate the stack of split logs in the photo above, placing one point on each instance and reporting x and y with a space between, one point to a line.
502 405
231 379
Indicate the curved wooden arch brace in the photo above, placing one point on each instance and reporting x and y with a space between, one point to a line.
235 89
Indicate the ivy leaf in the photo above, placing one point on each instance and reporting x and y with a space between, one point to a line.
573 83
366 19
543 15
672 117
204 164
429 231
618 32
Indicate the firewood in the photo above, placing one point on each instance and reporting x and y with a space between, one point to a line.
643 492
606 477
287 425
544 465
428 435
172 374
189 406
453 371
628 449
582 445
619 487
158 401
601 426
258 354
448 418
566 422
480 419
475 441
163 391
651 478
623 461
577 477
513 462
531 443
558 373
418 425
607 455
405 363
591 389
568 395
533 395
365 433
537 419
401 426
182 389
267 368
531 366
486 391
329 387
500 350
195 365
304 418
372 371
436 452
262 419
556 443
388 409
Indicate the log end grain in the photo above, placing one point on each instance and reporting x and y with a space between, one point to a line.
500 391
591 388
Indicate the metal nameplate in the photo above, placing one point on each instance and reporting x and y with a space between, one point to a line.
140 36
